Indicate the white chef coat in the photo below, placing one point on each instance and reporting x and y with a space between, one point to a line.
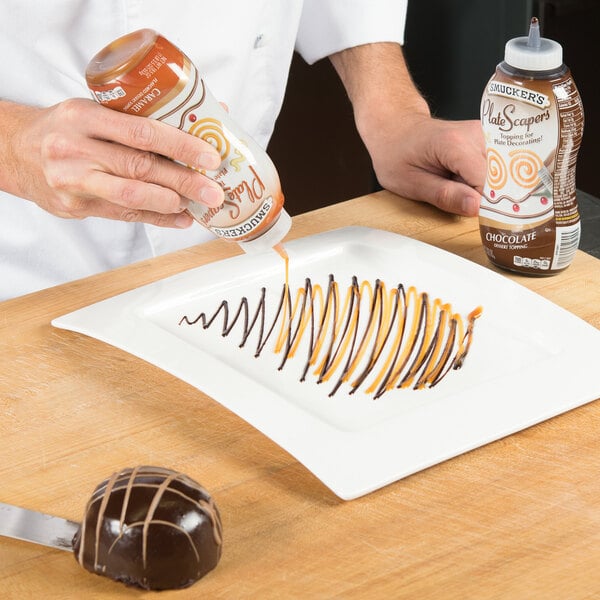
243 50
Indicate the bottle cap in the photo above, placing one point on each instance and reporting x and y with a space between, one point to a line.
533 53
270 238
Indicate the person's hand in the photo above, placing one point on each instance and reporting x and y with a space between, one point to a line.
79 159
413 154
435 161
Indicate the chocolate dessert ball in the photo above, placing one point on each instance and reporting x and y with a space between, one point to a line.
151 528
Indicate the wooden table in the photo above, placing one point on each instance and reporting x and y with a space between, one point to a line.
518 518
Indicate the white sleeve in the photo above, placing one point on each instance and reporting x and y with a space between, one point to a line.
329 26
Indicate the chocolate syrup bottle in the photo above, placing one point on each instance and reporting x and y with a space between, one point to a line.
144 74
532 119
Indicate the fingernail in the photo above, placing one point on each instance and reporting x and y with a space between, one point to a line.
209 160
470 206
183 221
211 195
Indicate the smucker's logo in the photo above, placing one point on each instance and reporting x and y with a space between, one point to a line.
498 88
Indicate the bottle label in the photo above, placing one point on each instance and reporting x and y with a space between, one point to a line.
166 86
144 90
529 219
250 224
248 203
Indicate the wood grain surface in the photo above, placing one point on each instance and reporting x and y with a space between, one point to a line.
516 519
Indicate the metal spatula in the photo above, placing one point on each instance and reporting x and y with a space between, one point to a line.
32 526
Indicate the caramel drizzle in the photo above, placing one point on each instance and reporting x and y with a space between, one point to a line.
407 340
128 479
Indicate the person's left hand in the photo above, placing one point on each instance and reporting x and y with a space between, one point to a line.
435 161
413 154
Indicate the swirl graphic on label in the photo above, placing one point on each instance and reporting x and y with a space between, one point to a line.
524 168
210 131
496 169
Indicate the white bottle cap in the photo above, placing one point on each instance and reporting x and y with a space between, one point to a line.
533 53
270 238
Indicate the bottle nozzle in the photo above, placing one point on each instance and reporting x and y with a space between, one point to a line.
533 41
533 52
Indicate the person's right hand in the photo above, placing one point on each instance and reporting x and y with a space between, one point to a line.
78 159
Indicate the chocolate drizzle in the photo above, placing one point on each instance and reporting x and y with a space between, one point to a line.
382 339
150 527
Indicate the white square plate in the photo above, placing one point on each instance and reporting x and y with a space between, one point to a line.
529 360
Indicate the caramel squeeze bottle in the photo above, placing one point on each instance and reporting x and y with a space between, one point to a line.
143 74
532 119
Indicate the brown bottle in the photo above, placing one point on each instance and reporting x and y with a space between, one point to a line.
532 119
